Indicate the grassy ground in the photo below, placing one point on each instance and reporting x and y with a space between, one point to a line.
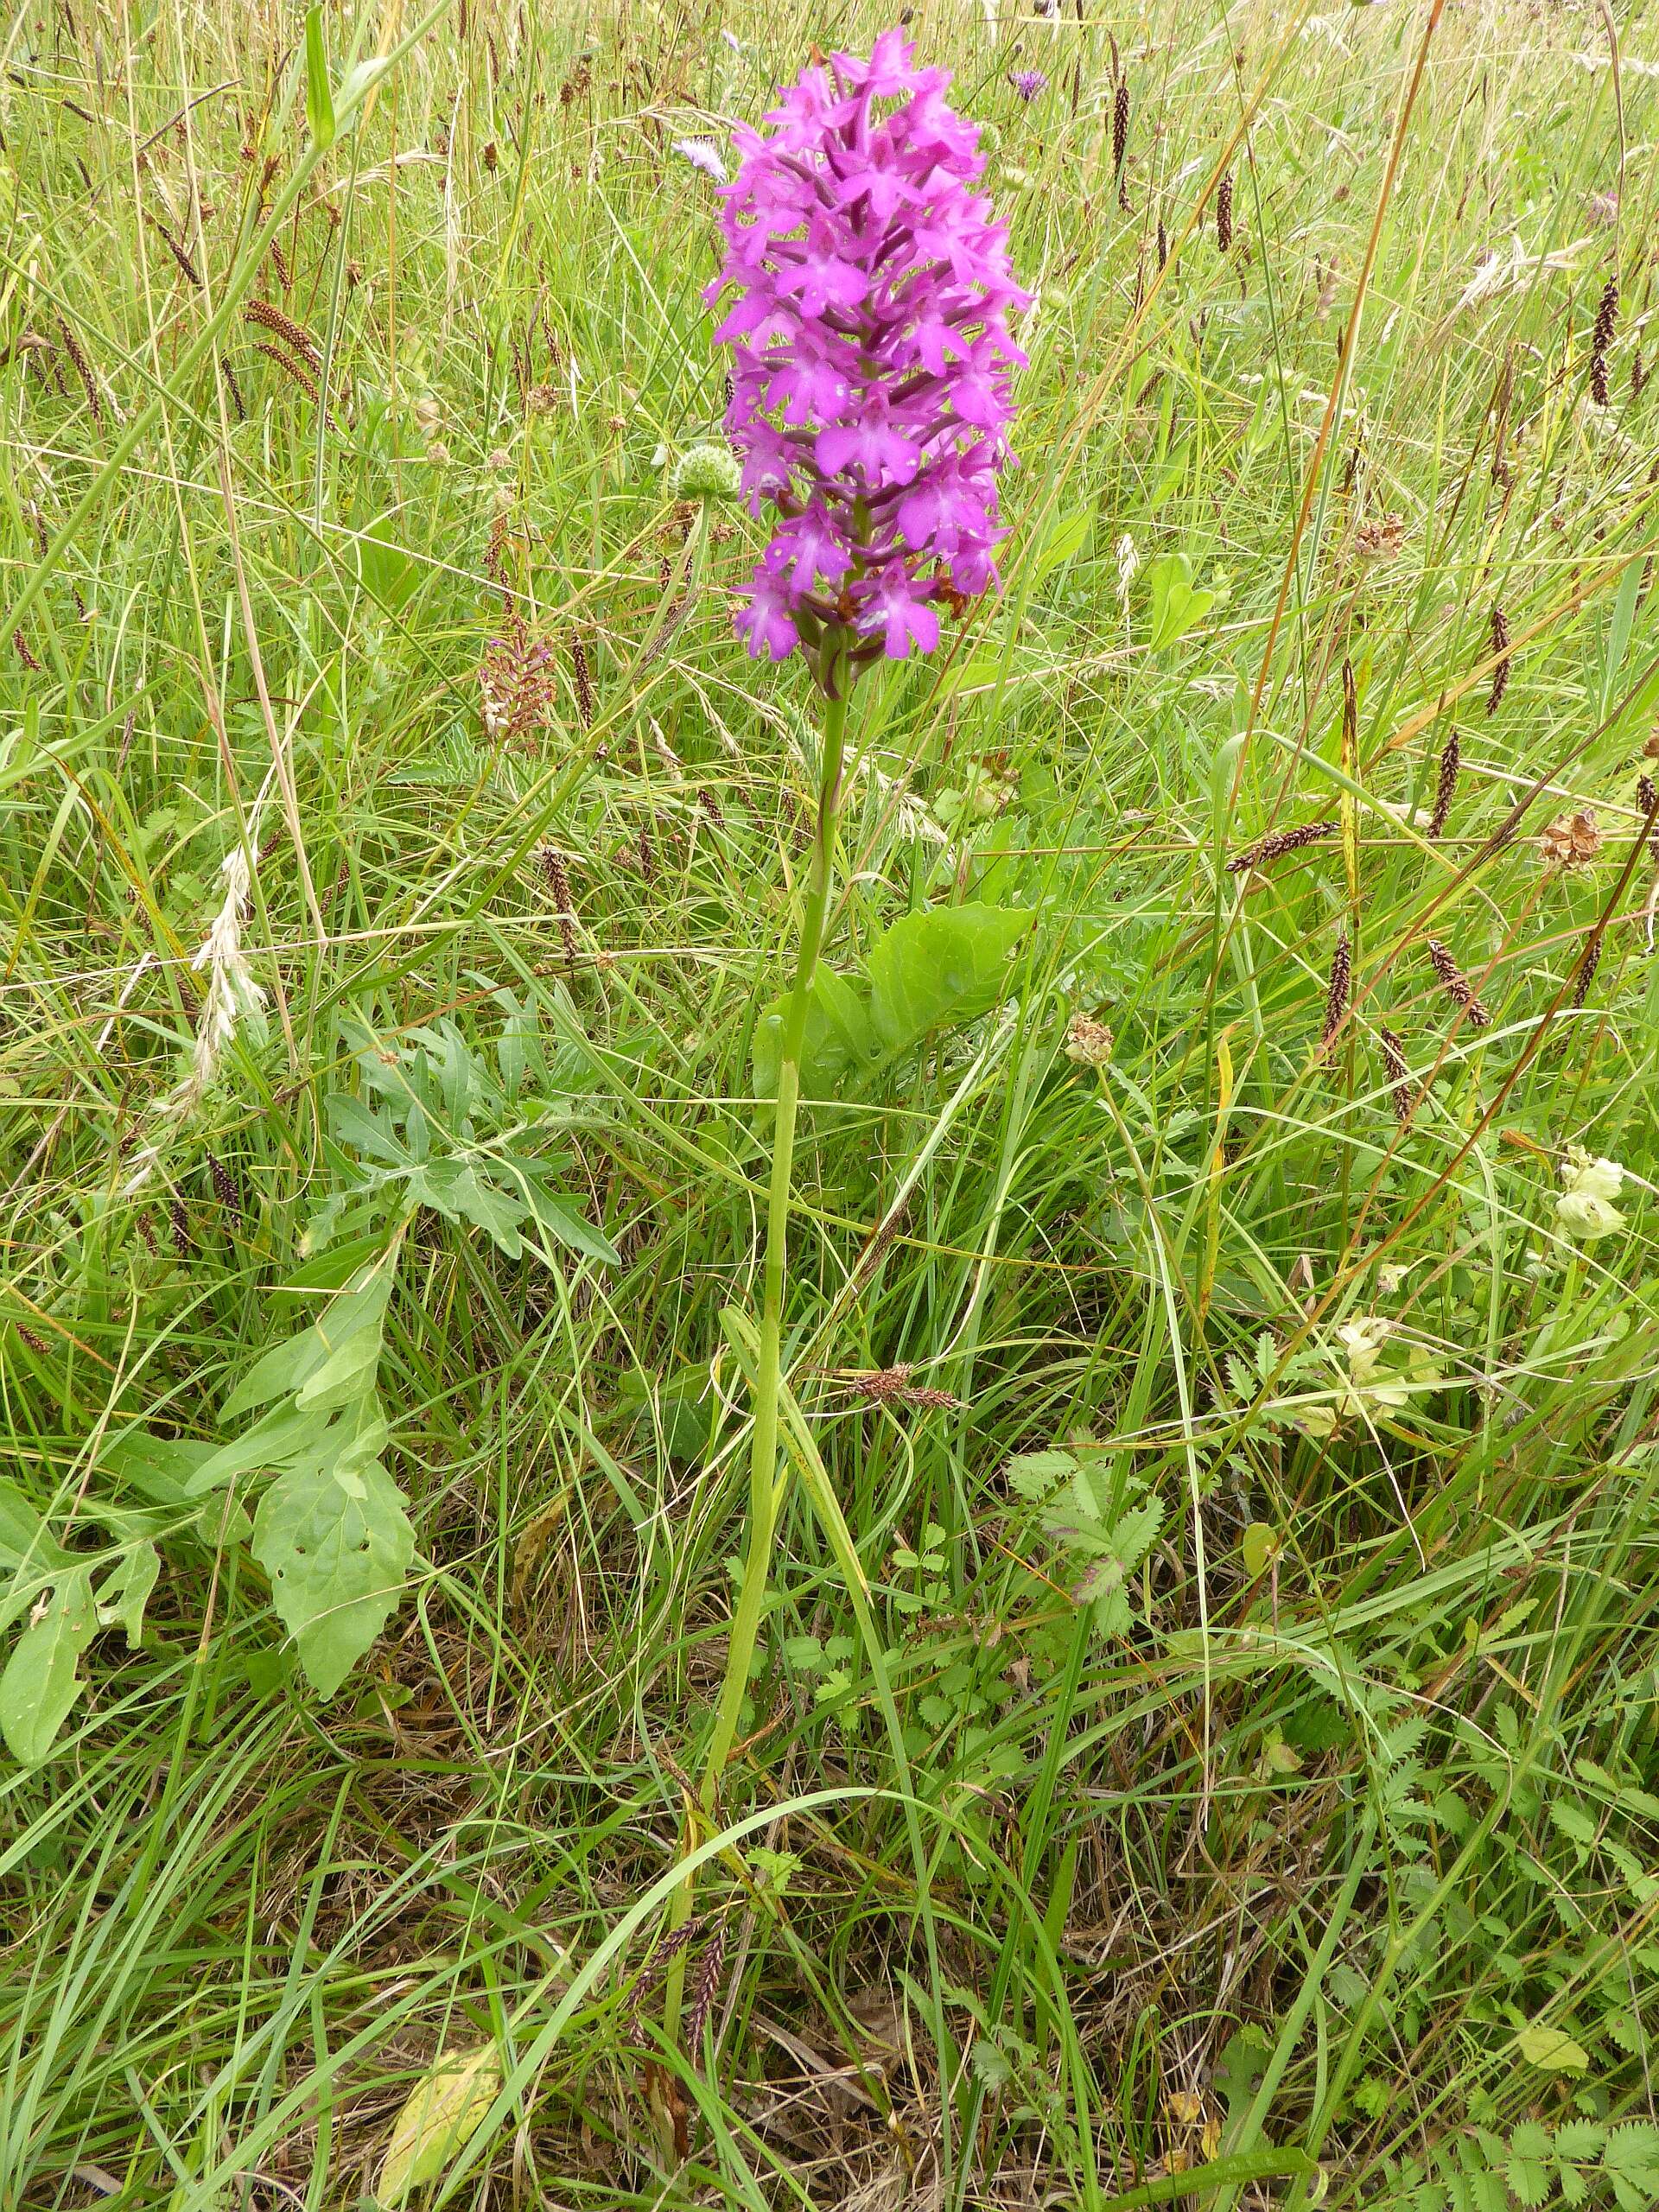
1246 1753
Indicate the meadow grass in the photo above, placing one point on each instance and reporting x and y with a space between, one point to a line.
1204 1709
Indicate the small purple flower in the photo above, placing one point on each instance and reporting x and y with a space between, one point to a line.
866 292
1028 83
702 154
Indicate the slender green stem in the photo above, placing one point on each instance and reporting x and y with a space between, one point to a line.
765 1487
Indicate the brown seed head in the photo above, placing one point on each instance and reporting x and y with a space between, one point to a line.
1570 841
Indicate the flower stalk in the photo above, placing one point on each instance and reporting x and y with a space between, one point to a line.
766 1488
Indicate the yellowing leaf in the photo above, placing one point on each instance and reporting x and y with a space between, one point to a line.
1552 2050
440 2118
1259 1546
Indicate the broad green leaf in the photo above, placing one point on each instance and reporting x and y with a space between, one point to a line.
562 1224
453 1188
336 1556
837 1043
319 100
158 1467
287 1366
122 1600
282 1437
23 1534
42 1680
945 964
1551 2048
388 572
439 2119
1177 603
347 1375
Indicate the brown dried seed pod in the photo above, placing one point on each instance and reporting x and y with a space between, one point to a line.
1445 788
1501 669
1455 989
1281 842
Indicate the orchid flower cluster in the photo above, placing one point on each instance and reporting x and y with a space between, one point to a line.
872 360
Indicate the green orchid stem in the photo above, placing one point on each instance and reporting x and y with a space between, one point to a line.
765 1489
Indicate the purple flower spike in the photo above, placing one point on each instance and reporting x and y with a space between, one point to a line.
1028 83
867 290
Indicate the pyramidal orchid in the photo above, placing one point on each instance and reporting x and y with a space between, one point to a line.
867 291
866 296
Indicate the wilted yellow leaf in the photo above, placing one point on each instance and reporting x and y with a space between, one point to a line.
1552 2050
441 2115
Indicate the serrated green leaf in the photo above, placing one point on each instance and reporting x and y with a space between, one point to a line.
336 1553
1035 1474
42 1678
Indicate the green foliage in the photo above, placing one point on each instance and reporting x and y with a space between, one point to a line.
1102 1519
1577 2161
927 971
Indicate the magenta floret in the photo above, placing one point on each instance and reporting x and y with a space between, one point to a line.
867 290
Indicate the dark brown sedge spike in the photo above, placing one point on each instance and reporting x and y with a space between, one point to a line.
1399 1075
1281 842
297 335
1163 243
1349 710
83 368
1501 668
1455 989
1446 788
1225 213
1339 992
584 680
551 863
1585 974
234 391
1120 126
1601 341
